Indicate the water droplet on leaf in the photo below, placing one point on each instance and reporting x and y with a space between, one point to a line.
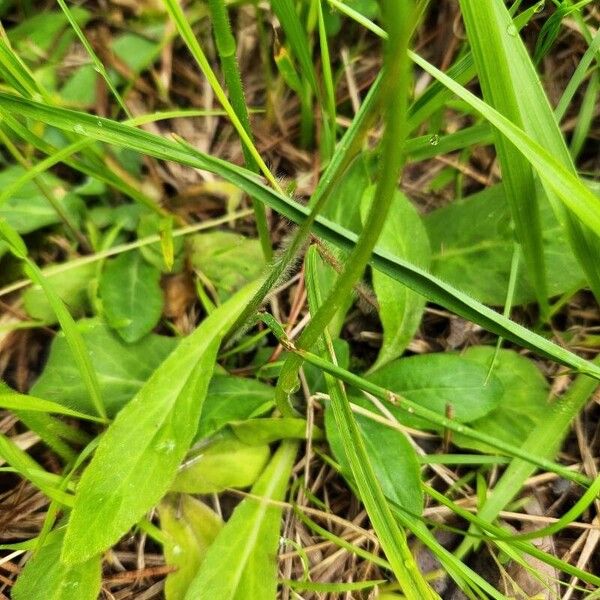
79 129
511 30
434 140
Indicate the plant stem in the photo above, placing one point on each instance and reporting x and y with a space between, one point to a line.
226 47
394 97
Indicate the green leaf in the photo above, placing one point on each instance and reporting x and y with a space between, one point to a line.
190 527
138 456
137 52
439 382
227 259
400 309
472 243
11 400
267 431
72 288
28 209
225 462
122 369
132 298
44 576
524 403
233 399
241 564
393 458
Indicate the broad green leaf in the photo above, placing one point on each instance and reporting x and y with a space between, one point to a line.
241 563
132 298
122 369
72 288
138 456
524 403
393 458
137 52
441 382
233 399
225 462
191 527
229 260
267 431
28 209
44 576
415 278
80 87
472 243
578 209
400 309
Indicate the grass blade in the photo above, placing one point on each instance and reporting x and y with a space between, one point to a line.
391 536
557 174
408 274
502 73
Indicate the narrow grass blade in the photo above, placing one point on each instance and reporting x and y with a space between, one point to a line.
415 278
544 441
391 536
29 469
502 73
186 33
555 170
138 456
444 422
16 401
98 65
241 563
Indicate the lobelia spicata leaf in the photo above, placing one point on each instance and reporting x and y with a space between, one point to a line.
400 309
45 576
229 260
132 298
524 403
138 456
393 458
191 527
219 464
121 368
241 563
443 383
472 243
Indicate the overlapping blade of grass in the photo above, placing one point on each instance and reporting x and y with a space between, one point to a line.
396 86
544 441
186 33
511 85
431 416
72 334
98 64
506 87
559 180
415 278
391 536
